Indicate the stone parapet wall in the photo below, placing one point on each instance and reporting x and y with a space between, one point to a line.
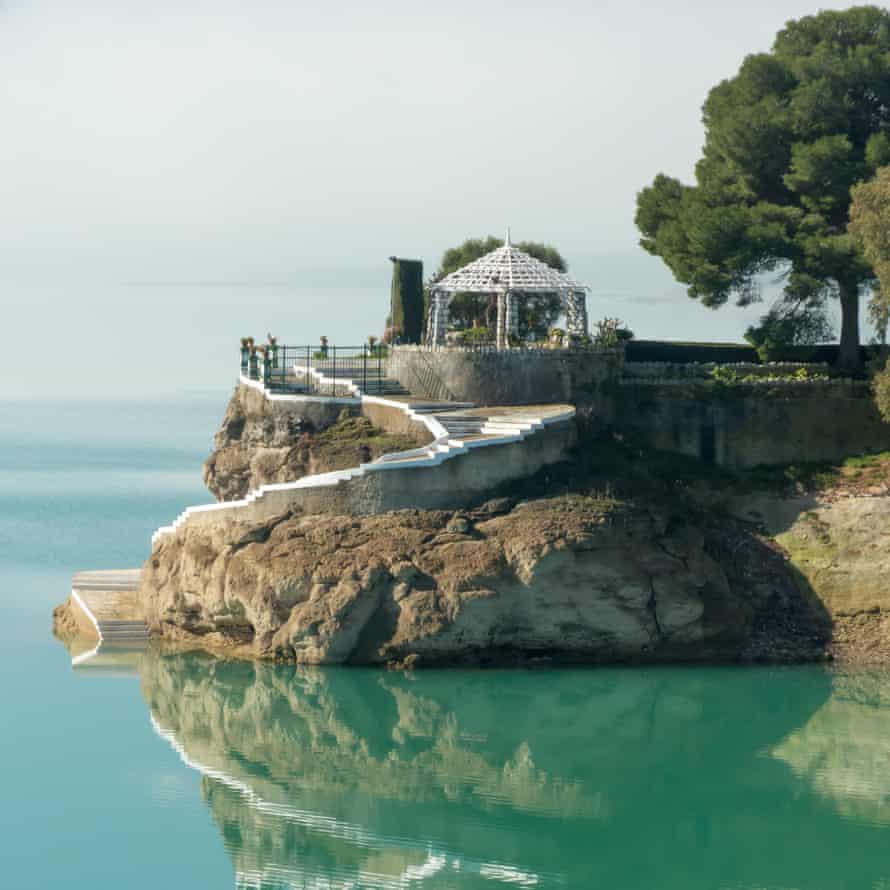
508 377
744 416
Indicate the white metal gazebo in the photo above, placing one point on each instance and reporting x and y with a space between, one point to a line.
509 274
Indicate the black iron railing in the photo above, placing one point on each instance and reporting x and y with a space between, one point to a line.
325 370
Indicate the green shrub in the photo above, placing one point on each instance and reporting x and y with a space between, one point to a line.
611 332
724 376
475 335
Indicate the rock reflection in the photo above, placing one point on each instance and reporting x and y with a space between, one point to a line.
843 750
663 778
351 775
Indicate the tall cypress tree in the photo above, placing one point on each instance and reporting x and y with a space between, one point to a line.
407 299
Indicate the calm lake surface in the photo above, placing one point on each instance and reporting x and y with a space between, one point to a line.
172 771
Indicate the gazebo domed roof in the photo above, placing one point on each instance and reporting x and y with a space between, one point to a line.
507 268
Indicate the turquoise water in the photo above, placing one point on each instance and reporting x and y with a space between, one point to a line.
172 771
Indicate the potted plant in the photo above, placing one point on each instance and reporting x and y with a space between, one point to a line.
253 369
245 353
273 347
324 347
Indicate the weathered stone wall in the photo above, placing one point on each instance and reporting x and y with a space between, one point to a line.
509 377
733 426
746 427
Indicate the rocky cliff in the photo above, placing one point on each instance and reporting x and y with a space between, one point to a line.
837 541
570 578
261 442
679 562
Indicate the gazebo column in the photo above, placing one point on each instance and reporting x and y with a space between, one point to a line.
508 319
511 319
576 313
438 324
501 341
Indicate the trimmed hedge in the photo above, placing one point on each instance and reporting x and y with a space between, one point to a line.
407 299
682 353
732 353
824 353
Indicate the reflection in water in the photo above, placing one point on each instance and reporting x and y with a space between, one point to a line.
843 751
343 778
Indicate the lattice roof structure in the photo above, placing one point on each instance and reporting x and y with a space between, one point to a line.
507 269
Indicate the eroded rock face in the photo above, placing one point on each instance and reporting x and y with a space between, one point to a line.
843 549
261 442
839 543
569 578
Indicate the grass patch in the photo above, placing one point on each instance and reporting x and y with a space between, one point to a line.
354 438
868 460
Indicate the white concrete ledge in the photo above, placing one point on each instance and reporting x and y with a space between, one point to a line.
297 397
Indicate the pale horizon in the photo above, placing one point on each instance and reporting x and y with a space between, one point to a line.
203 172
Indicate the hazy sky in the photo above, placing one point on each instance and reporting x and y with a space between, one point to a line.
299 145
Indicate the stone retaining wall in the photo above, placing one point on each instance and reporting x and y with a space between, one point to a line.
459 482
395 420
807 423
508 377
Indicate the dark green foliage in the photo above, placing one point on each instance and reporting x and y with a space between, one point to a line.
407 300
537 312
790 323
663 351
682 353
786 139
826 353
870 225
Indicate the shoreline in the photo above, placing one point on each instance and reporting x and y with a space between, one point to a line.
644 558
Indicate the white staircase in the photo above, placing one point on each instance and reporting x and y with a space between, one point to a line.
455 428
110 600
350 378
